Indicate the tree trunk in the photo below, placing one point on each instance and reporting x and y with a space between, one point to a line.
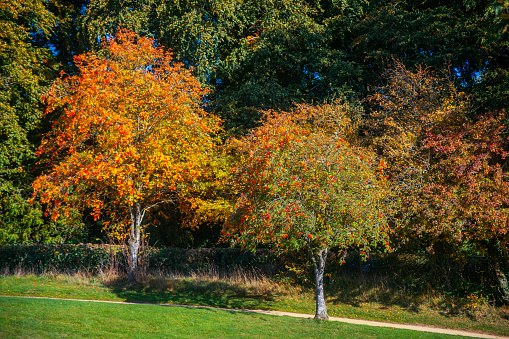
321 309
319 267
495 256
134 242
504 285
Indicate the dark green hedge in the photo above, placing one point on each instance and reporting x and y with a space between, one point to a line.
61 258
415 273
93 258
183 260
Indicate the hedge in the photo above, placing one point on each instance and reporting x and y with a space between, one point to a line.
94 258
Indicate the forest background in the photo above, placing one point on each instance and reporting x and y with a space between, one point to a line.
424 85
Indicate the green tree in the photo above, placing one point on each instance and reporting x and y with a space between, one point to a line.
268 55
25 73
66 40
461 35
303 186
252 55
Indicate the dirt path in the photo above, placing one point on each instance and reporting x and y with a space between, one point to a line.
302 315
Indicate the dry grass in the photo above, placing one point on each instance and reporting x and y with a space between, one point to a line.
364 289
348 289
212 280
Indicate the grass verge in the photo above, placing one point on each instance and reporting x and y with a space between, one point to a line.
40 318
241 290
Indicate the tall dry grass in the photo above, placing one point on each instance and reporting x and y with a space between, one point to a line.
343 288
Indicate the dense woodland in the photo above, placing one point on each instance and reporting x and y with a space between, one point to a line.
411 96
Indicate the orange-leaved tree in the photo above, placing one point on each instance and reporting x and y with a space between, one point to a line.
304 186
132 135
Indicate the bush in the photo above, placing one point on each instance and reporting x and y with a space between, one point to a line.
61 258
94 258
415 274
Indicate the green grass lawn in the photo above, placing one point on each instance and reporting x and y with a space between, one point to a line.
42 318
210 292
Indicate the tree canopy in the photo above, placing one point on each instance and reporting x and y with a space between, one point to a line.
304 186
424 86
132 135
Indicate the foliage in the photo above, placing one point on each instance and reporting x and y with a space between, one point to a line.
212 203
446 167
468 174
303 186
64 258
502 11
266 55
434 34
132 136
460 35
300 176
66 41
23 77
26 69
42 258
252 55
286 64
436 154
467 194
24 223
203 33
401 113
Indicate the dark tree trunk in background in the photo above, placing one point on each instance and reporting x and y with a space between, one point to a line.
496 258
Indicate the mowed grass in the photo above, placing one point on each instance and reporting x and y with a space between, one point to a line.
43 318
250 292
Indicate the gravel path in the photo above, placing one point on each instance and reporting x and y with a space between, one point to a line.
308 316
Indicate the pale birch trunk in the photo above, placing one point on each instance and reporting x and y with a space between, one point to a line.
134 241
318 260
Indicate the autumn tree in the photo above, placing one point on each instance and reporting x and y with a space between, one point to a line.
303 185
446 165
133 135
467 194
400 114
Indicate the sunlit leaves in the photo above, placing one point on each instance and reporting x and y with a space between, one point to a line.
25 74
446 165
402 113
302 183
469 186
405 108
132 133
303 186
23 77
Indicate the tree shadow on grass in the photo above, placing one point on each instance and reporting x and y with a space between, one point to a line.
356 296
356 290
193 291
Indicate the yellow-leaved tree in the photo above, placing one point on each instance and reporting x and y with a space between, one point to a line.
132 135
